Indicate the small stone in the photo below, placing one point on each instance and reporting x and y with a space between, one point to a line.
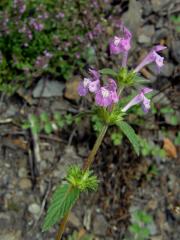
159 237
35 209
46 88
152 228
161 98
100 225
74 220
10 235
144 39
11 111
69 158
48 155
160 34
157 5
22 172
176 50
25 184
147 9
148 30
135 10
87 219
167 70
60 105
152 204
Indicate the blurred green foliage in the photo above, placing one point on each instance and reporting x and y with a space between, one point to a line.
48 124
46 37
140 225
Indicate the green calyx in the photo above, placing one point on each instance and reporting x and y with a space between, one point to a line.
126 78
109 118
83 180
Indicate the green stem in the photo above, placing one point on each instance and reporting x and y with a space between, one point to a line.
62 226
96 146
86 166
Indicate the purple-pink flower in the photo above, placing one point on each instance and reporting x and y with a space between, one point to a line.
152 56
121 44
89 84
107 94
140 99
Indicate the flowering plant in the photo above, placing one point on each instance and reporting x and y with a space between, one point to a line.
106 86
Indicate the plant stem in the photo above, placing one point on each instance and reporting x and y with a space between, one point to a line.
86 166
96 146
62 226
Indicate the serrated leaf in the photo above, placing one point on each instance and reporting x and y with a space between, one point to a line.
130 134
63 200
108 71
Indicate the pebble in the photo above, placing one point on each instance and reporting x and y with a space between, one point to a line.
144 39
35 209
148 30
69 158
152 228
25 184
10 235
46 89
167 70
87 219
100 225
159 237
176 50
160 34
135 10
74 220
157 5
22 172
147 9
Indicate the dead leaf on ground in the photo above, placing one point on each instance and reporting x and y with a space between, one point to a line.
71 92
170 148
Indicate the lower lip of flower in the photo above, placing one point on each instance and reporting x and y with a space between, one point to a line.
116 41
105 93
85 82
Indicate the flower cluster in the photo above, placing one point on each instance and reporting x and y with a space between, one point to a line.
107 95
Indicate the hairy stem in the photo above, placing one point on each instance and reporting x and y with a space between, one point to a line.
62 226
85 167
96 146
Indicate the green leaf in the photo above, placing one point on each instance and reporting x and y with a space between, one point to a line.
130 134
141 80
108 71
63 200
44 117
48 128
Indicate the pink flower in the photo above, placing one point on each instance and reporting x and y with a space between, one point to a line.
89 84
152 56
121 44
107 94
140 99
84 87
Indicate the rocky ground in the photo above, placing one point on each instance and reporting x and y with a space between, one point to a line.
27 182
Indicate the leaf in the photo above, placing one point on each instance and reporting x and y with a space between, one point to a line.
48 128
141 80
63 200
130 134
108 71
